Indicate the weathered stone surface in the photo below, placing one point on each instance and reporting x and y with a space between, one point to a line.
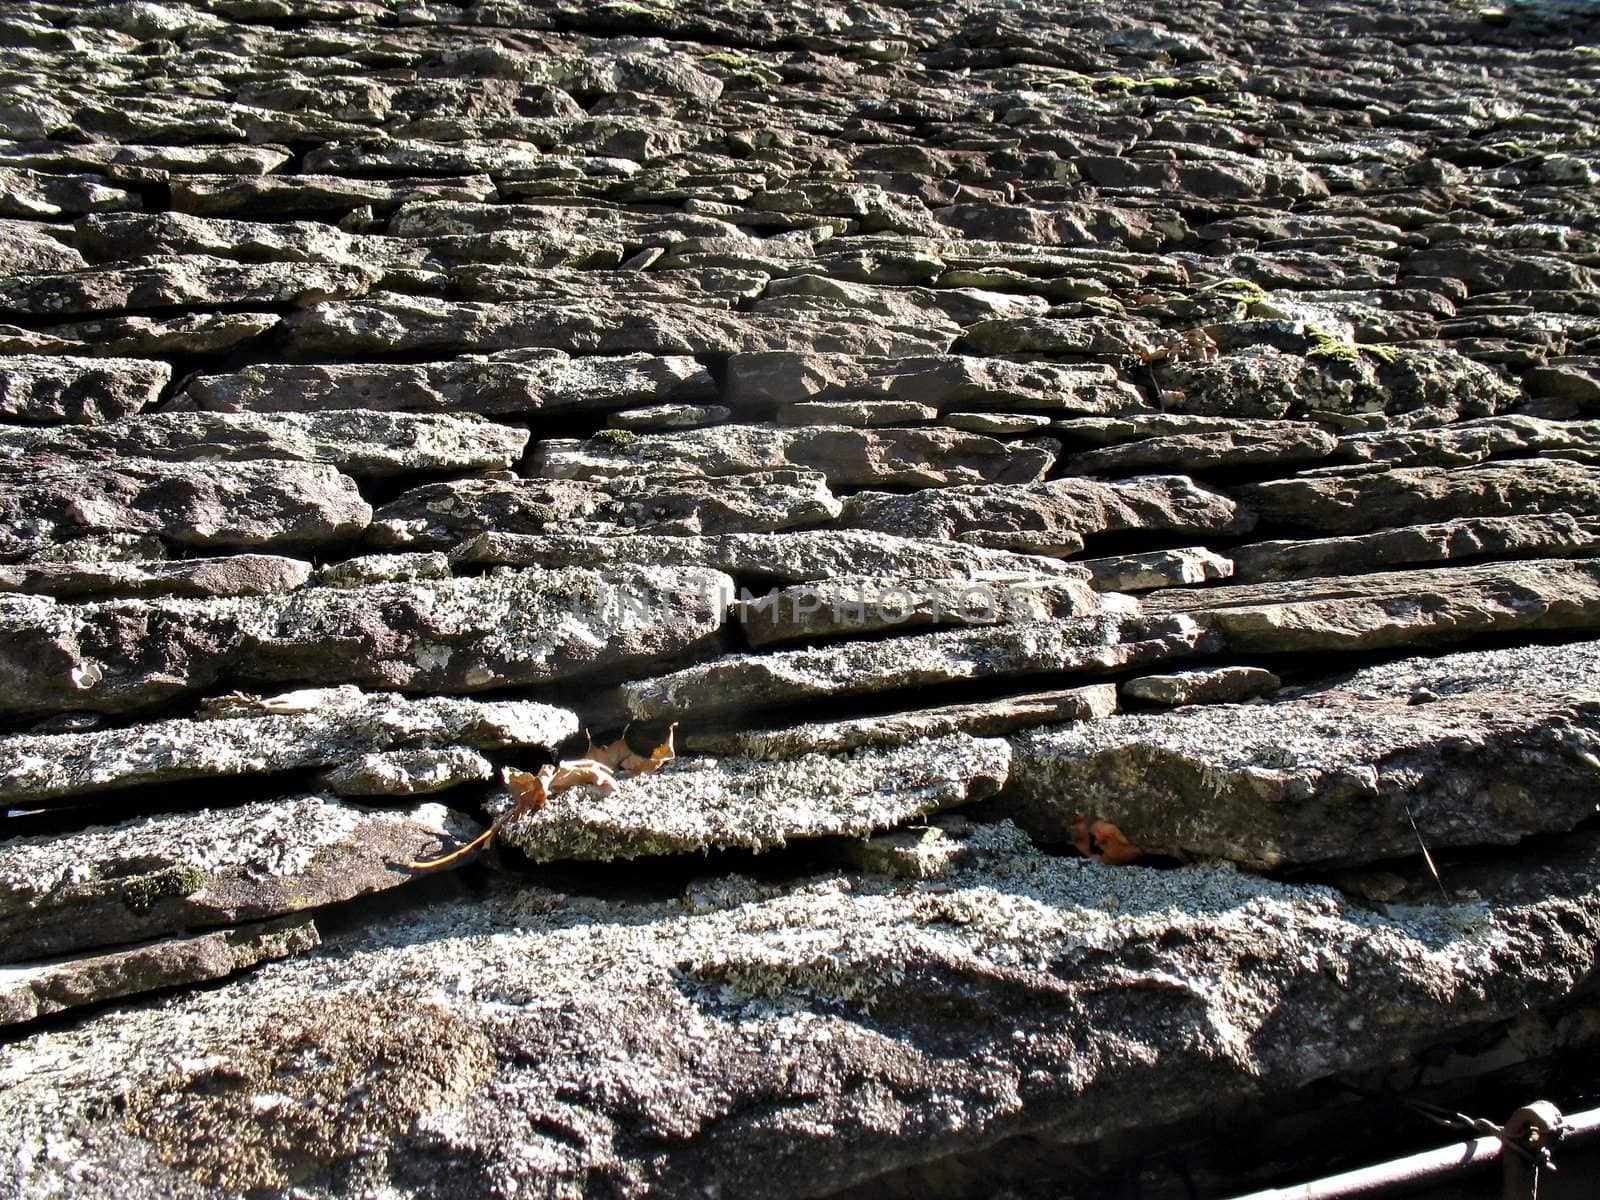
1267 444
1230 242
30 246
450 635
796 556
516 382
1361 499
1102 338
1478 748
860 414
47 498
353 440
983 718
872 604
121 236
1049 518
407 772
1546 536
36 990
1156 569
314 727
595 326
25 193
385 568
660 417
191 333
703 804
158 875
442 515
1101 643
111 157
36 387
920 852
1394 609
847 457
1472 442
1141 997
232 575
1215 686
1418 387
1576 379
760 381
194 279
258 196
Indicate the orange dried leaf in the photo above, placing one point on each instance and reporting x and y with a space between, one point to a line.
639 764
528 792
1114 848
609 755
1103 841
575 772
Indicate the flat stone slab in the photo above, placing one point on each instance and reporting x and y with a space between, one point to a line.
1545 535
396 325
1156 569
696 804
51 498
1359 500
136 336
48 387
848 457
1212 686
1015 994
792 556
1094 644
518 381
981 718
862 605
249 736
1395 609
1471 442
158 875
361 443
195 279
1478 748
1266 443
943 382
440 516
451 635
229 575
1048 518
33 990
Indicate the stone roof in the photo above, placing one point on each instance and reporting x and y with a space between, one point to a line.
1094 509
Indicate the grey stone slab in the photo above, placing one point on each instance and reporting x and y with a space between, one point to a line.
251 736
50 388
33 990
695 804
452 635
157 875
847 457
1336 773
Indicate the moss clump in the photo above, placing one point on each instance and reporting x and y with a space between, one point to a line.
1243 291
731 60
616 439
539 515
1324 345
144 892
